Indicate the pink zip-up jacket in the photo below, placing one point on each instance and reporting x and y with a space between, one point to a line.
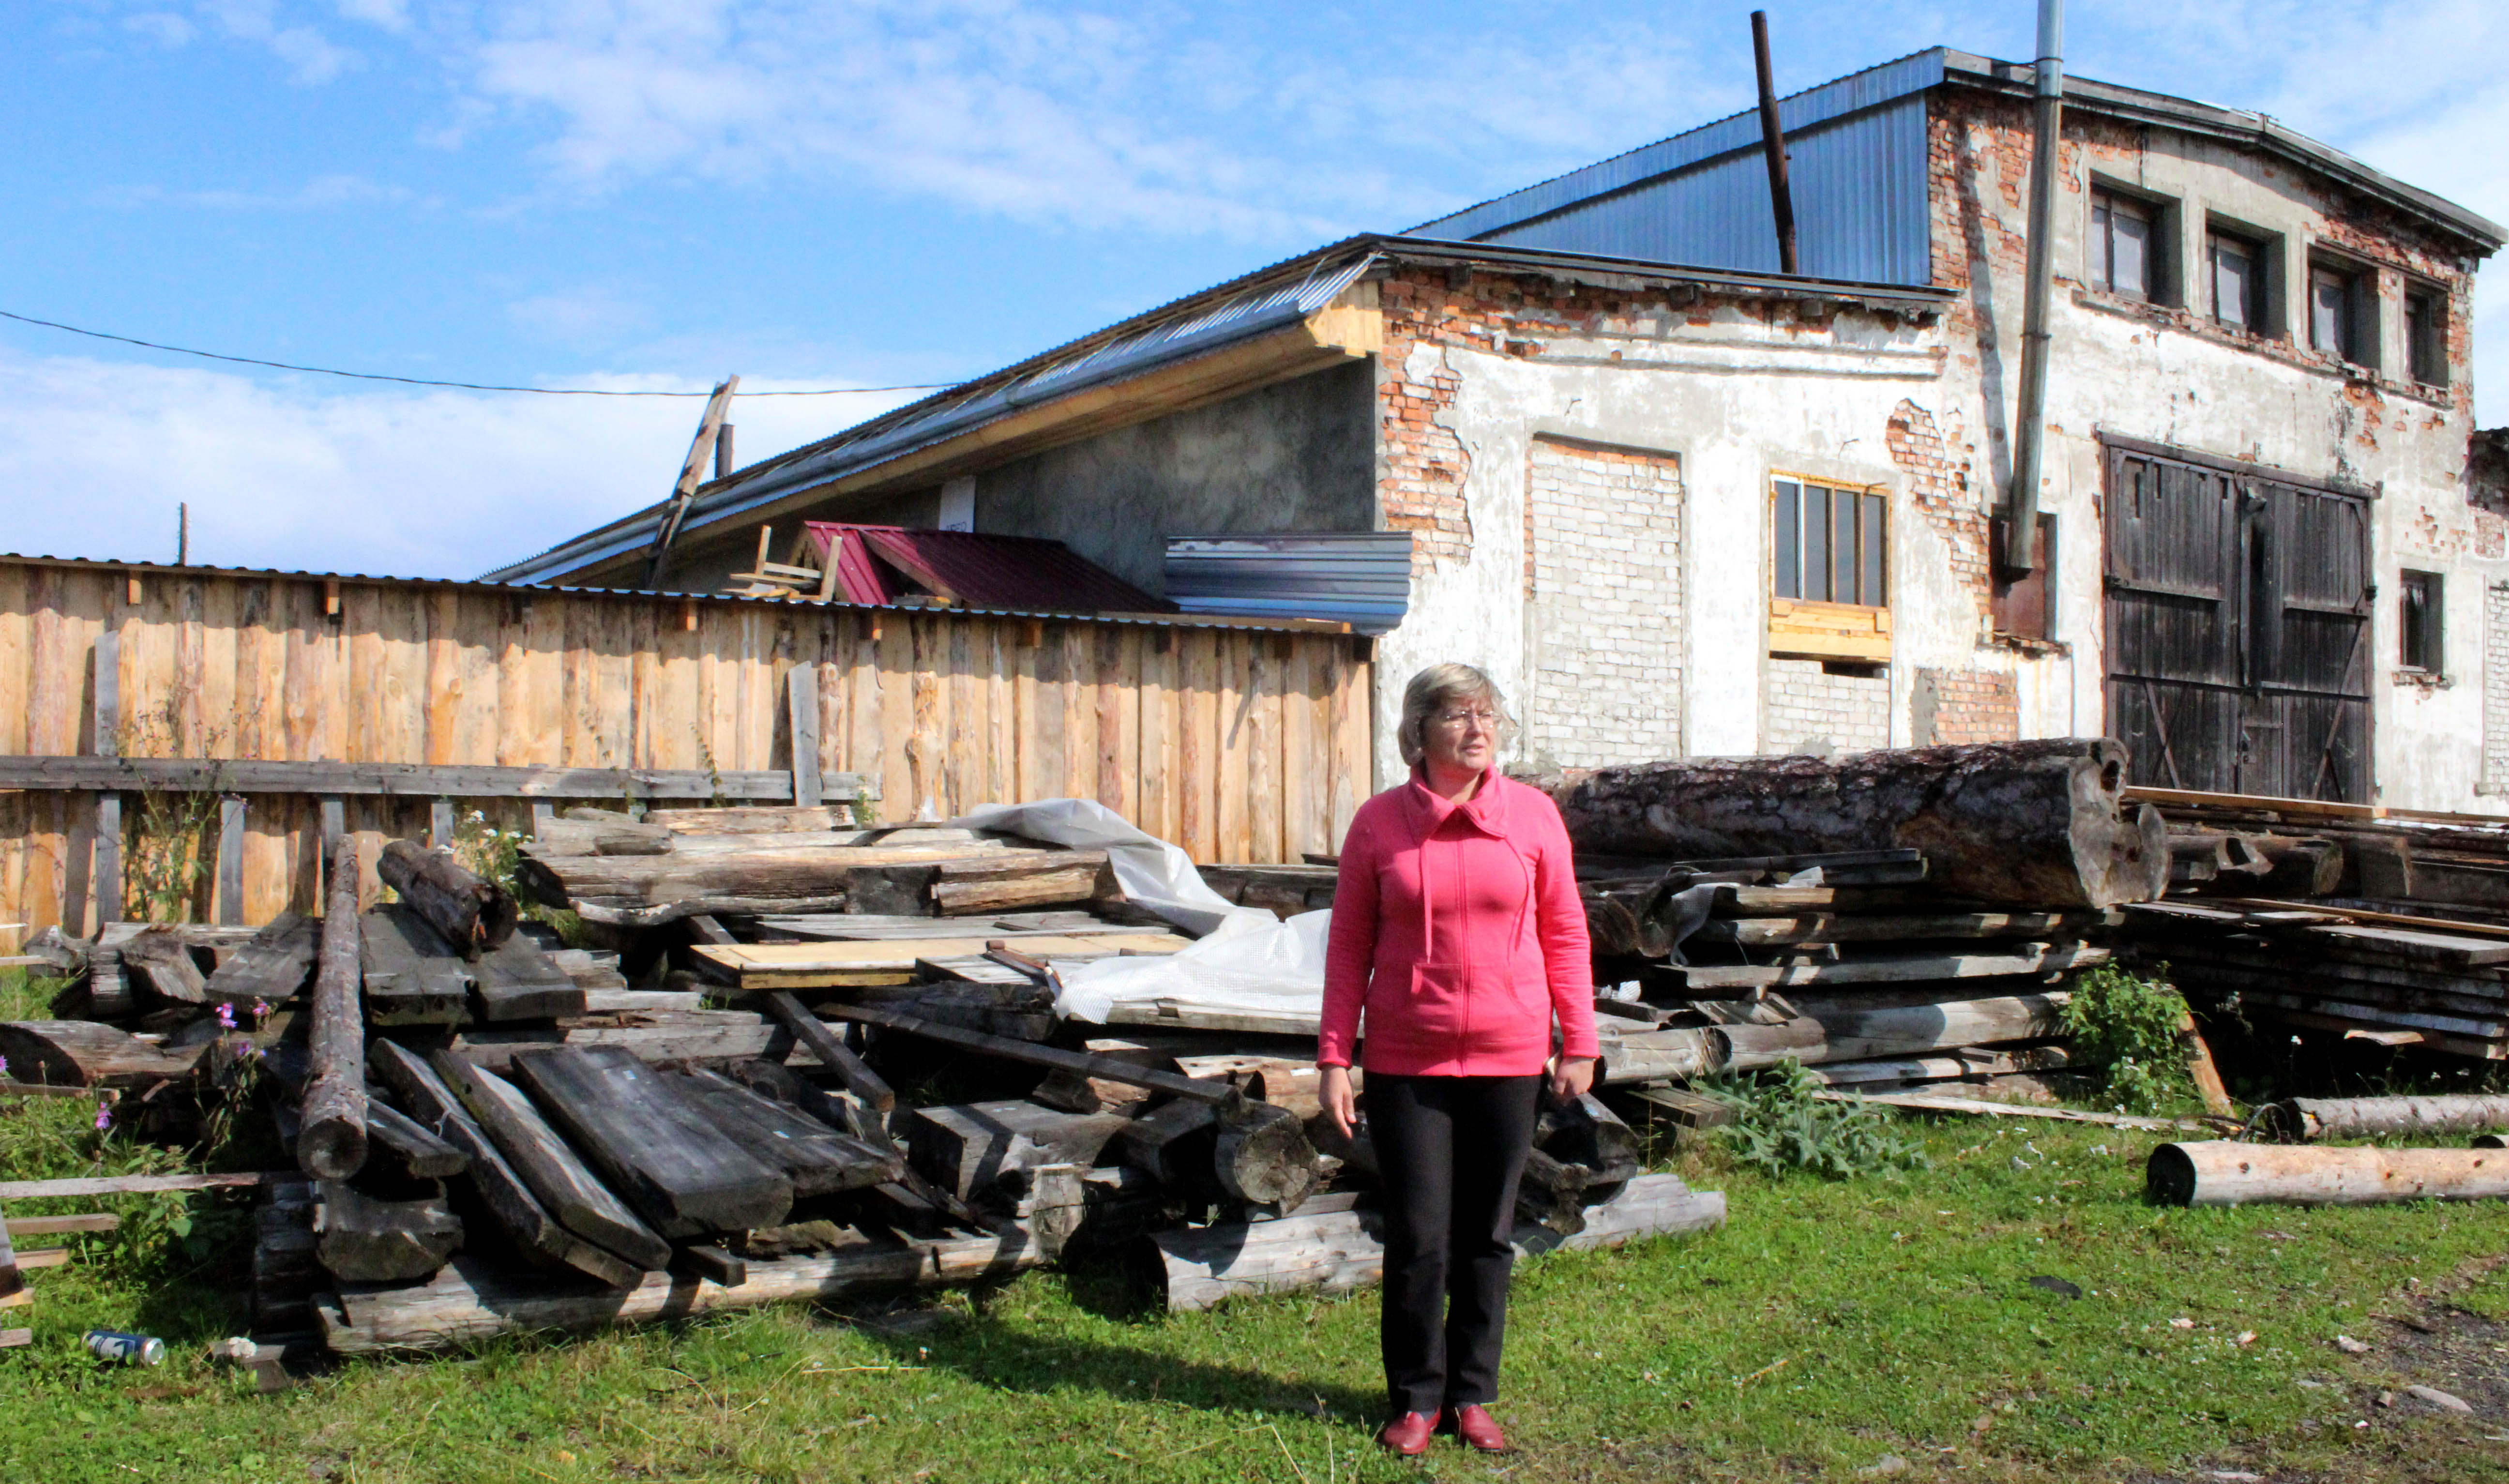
1457 929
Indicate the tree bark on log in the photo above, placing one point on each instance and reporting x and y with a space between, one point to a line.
2314 1118
2229 1173
332 1142
2034 823
472 915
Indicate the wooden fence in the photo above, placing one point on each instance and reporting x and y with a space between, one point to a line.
428 700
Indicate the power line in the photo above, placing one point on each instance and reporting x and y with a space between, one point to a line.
414 381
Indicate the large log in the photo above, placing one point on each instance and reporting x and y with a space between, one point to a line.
1337 1251
2035 824
2312 1117
468 912
2229 1173
331 1136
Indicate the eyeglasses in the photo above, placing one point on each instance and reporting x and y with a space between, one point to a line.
1486 718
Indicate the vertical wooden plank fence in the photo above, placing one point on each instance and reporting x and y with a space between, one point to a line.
1241 741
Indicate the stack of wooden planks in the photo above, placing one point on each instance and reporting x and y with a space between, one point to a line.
2371 924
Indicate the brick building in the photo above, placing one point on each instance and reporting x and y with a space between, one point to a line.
1680 504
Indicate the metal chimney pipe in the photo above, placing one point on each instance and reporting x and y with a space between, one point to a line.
1773 142
2021 525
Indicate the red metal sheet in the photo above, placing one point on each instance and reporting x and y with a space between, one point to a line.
975 570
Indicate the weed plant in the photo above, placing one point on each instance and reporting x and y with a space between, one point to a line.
2126 1029
1780 1124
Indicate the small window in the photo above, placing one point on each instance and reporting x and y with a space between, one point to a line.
1831 545
2121 247
2337 310
2421 622
2427 336
2237 267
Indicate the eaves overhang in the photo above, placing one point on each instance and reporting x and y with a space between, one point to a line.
1267 303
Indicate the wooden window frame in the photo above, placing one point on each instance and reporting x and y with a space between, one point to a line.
2356 284
2260 255
2426 351
2422 629
2102 243
1806 628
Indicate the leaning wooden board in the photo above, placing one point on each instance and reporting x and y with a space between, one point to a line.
822 965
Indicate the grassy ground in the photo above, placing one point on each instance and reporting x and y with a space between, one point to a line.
1828 1330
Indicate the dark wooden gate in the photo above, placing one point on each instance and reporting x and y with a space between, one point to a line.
2238 626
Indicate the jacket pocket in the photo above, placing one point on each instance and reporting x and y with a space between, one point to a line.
1423 1019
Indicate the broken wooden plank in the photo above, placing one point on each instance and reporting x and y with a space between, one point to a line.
413 977
408 1147
83 1054
673 1163
819 1160
832 1053
158 959
516 982
500 1186
1936 1102
554 1172
135 1185
968 1148
272 967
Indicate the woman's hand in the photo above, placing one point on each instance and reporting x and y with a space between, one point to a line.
1340 1105
1570 1077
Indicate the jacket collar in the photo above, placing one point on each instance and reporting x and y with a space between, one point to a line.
1485 810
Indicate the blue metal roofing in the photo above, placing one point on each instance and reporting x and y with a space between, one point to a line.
1360 577
1857 153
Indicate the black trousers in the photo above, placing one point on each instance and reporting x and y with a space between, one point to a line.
1450 1150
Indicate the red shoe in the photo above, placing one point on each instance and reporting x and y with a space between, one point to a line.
1473 1422
1407 1435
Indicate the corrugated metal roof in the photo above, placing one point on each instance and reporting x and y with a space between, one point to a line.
1362 578
976 568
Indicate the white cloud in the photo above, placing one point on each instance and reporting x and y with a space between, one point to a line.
319 192
295 475
597 315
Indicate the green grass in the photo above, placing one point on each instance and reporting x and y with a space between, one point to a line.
1827 1326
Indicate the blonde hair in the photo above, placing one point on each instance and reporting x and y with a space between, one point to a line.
1433 690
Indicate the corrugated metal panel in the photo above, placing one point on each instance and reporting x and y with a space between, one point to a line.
1860 212
1362 578
977 569
1728 146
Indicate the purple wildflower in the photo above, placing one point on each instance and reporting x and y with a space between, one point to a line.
104 1117
260 1012
226 1016
4 1066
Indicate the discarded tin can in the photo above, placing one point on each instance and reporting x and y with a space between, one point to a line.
127 1348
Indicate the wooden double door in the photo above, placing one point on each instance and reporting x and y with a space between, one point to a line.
2238 605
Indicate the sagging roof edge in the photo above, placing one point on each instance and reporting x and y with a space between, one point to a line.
1251 621
1197 325
1918 72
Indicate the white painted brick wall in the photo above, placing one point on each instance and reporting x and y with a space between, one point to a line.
1802 707
2496 689
1605 587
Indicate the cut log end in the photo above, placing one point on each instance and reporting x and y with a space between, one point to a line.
2169 1176
1264 1158
332 1148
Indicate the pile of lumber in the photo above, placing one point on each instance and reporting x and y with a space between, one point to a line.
495 1133
1886 920
2349 919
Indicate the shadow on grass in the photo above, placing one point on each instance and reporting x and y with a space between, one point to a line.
990 1352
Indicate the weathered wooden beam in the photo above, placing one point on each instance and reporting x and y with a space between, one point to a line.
818 1159
408 1146
272 967
84 1054
331 1137
159 958
500 1187
681 1171
515 981
418 780
555 1173
361 1240
412 976
833 1053
135 1185
473 914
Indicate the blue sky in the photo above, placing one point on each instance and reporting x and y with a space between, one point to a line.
649 195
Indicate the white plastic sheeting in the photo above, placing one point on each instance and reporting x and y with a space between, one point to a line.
1245 959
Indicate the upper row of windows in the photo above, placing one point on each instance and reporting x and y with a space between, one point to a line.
2127 259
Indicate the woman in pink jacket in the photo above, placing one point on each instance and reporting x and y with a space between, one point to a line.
1458 936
